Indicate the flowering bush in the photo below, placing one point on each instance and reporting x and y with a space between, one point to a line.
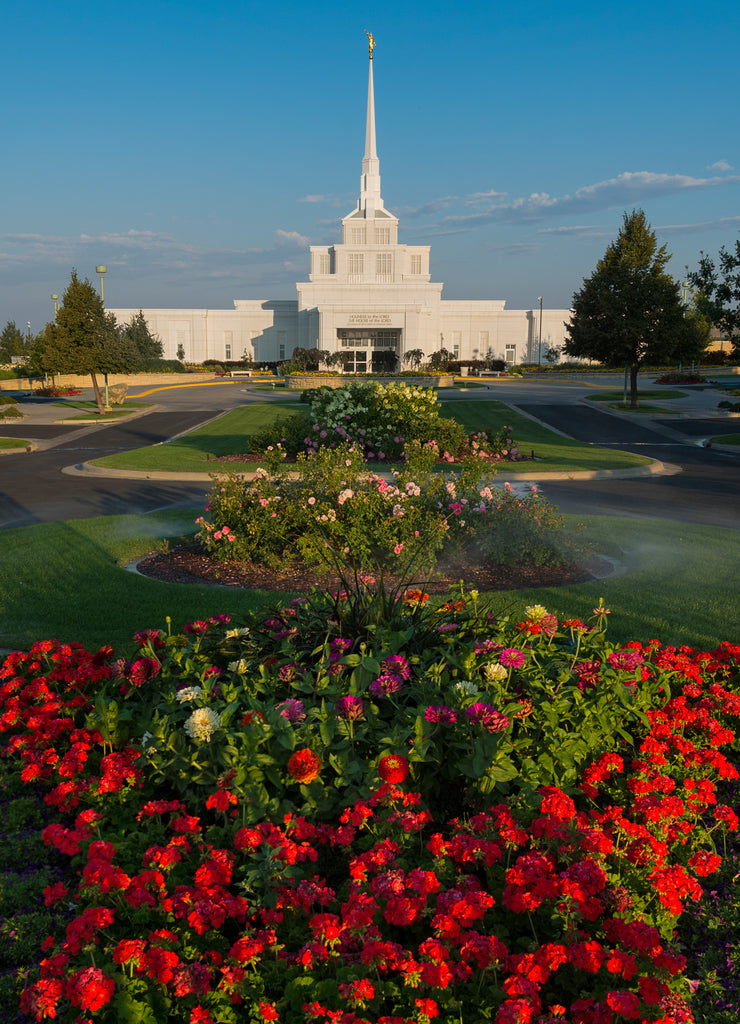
548 897
329 508
382 420
680 378
54 391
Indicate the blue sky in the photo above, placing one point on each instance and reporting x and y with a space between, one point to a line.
197 151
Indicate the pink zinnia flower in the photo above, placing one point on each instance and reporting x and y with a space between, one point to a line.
491 719
440 713
510 657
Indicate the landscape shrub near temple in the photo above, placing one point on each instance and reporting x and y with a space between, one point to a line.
382 420
258 829
329 508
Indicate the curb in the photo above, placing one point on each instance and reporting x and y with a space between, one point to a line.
655 468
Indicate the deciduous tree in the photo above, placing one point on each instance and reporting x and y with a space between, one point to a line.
12 342
719 292
629 311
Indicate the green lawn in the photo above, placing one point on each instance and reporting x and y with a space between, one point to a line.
553 452
618 396
67 581
190 453
226 435
13 442
726 439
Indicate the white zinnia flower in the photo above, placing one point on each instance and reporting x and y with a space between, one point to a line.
535 612
202 724
467 686
189 693
495 673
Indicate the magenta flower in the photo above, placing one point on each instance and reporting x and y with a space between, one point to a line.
142 670
510 657
625 661
350 708
588 674
491 719
440 713
396 664
292 709
386 684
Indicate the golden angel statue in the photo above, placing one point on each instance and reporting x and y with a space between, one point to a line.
371 42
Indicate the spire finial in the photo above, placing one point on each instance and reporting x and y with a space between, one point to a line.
371 43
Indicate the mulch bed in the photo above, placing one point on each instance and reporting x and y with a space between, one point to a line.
188 564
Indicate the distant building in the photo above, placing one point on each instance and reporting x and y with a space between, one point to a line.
368 294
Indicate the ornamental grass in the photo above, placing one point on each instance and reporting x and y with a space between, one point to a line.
443 815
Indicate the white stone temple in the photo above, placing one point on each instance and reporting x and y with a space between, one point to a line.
369 293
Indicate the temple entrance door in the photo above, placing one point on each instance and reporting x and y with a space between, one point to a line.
382 345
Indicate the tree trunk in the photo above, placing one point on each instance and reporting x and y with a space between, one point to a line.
98 398
634 370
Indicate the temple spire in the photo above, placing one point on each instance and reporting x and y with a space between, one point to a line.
370 199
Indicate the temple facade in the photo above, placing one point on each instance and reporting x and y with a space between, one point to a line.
367 294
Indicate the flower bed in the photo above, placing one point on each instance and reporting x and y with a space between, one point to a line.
383 421
298 381
55 392
680 378
329 507
360 809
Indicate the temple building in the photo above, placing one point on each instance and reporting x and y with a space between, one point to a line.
368 294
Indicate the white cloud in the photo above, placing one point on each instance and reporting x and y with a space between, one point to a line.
327 198
480 197
294 237
720 165
629 188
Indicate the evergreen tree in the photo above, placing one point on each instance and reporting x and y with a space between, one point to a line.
629 311
85 339
12 342
148 345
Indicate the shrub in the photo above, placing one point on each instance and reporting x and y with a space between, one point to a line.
384 420
329 510
161 366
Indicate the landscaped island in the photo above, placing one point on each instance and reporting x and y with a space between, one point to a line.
368 806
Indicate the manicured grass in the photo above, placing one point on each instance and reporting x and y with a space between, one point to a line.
726 439
226 435
618 396
67 581
190 453
553 452
13 442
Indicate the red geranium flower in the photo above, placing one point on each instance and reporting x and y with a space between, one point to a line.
304 766
393 768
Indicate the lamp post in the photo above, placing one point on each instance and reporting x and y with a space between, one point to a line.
101 270
55 300
539 342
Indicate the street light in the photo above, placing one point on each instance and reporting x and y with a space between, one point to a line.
101 271
539 343
55 300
